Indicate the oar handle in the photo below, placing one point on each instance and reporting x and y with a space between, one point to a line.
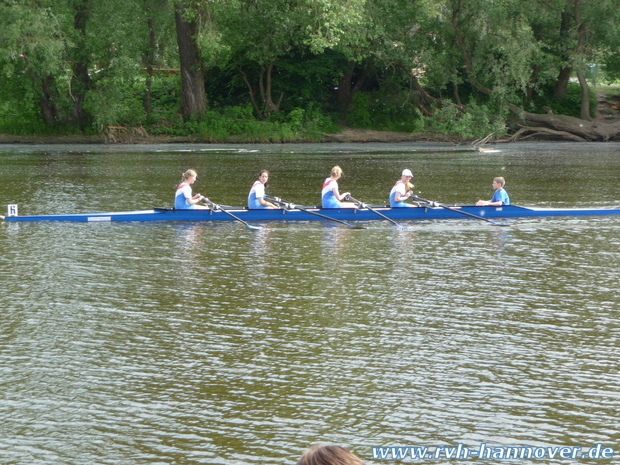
363 205
456 210
279 201
290 206
355 201
430 202
213 205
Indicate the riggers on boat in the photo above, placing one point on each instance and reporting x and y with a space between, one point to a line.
306 214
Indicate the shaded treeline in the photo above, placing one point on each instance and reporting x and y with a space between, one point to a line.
225 67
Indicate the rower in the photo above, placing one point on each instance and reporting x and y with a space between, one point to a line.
183 199
256 198
499 198
331 197
402 190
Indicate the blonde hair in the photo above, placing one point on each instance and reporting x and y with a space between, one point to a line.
188 174
329 455
499 180
337 171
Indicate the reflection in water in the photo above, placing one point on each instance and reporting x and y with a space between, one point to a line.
189 235
261 245
261 248
336 238
214 344
500 237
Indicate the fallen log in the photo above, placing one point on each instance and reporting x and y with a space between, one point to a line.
564 127
529 132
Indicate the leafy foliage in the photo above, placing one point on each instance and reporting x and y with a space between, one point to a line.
475 122
281 70
569 104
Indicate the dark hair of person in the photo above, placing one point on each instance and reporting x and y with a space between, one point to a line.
260 173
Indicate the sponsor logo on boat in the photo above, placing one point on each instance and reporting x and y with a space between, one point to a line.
99 218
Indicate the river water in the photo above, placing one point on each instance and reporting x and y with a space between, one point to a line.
214 344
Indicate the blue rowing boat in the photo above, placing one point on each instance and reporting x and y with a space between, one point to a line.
309 213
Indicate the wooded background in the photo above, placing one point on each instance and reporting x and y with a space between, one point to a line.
468 67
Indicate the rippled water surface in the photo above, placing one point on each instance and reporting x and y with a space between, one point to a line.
212 344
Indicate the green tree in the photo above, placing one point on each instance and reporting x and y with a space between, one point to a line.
128 41
261 33
257 34
33 53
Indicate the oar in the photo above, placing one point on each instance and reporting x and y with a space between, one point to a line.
363 205
216 207
290 206
435 204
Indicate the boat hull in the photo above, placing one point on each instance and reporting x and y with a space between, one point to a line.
343 214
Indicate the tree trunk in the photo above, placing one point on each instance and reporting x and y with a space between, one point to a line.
193 96
585 97
266 91
80 82
250 90
49 111
347 88
529 92
562 82
585 92
566 70
455 93
149 61
426 100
